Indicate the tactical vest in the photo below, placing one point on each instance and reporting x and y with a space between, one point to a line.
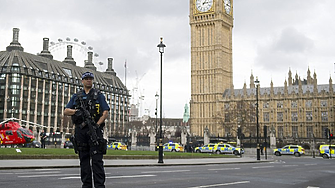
91 102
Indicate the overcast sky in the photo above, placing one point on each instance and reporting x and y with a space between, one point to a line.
269 37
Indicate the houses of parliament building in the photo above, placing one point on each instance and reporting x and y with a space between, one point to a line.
301 109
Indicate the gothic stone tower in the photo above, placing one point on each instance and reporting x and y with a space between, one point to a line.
211 24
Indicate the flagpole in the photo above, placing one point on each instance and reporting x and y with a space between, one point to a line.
125 73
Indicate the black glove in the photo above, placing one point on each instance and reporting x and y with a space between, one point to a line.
78 117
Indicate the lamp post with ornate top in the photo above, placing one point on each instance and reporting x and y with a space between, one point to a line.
161 47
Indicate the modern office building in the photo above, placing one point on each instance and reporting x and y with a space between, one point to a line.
36 88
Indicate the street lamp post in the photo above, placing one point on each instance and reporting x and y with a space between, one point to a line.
161 47
156 96
257 126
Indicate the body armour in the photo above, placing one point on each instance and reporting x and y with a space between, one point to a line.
91 104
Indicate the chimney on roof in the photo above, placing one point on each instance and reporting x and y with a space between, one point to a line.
89 63
110 69
45 52
69 58
15 45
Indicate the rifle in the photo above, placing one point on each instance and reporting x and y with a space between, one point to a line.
89 122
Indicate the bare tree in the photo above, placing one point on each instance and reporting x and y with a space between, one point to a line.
238 113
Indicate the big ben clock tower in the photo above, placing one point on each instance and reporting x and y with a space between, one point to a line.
211 24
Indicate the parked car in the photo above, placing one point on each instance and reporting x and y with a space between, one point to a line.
68 144
173 147
33 144
208 148
327 151
117 146
295 150
227 149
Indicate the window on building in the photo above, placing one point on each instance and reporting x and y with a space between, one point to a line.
308 104
226 118
280 104
227 131
309 131
309 116
68 71
226 106
323 103
15 78
266 116
266 104
324 116
294 104
33 83
15 89
280 116
294 116
295 132
280 131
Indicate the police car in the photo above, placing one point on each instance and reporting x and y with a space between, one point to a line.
295 150
117 146
173 147
327 151
208 148
227 149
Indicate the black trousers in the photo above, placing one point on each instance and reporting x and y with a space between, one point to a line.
43 143
85 156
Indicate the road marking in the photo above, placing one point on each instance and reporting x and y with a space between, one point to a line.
113 177
312 187
165 171
225 169
222 184
46 175
67 178
289 165
263 167
132 176
310 164
57 172
47 169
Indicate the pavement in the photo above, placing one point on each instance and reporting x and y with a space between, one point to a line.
74 163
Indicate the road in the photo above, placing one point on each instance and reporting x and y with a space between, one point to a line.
285 171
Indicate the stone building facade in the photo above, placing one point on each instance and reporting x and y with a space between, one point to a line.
211 60
36 88
299 111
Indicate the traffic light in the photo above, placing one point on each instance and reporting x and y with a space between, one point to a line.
239 132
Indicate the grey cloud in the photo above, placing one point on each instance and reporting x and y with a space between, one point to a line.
292 41
291 47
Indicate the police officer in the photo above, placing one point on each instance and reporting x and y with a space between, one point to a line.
96 105
43 136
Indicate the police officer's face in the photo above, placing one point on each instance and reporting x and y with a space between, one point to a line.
87 82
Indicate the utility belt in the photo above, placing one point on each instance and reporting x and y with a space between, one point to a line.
85 147
82 125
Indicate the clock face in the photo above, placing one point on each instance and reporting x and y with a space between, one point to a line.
204 5
227 6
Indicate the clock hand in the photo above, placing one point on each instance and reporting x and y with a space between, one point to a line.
205 2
